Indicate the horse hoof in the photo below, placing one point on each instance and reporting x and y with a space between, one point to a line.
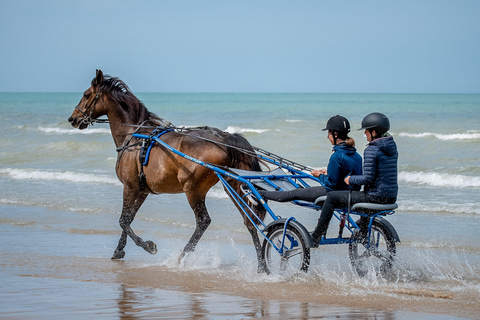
262 269
118 255
150 247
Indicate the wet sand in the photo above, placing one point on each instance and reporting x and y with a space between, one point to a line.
56 264
36 286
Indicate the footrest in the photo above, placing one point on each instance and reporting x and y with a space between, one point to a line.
320 200
372 208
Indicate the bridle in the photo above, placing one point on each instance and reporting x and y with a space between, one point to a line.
87 118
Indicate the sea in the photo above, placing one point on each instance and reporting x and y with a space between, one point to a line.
60 202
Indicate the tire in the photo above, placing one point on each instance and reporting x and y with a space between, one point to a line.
378 255
296 256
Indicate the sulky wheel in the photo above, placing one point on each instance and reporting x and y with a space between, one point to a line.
295 257
377 254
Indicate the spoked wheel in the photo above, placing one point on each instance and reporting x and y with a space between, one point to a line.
295 255
377 254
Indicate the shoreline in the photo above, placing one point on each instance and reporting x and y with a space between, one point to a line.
147 276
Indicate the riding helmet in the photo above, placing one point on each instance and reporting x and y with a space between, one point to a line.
338 123
376 121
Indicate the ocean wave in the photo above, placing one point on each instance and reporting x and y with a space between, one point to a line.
465 208
293 120
439 179
74 131
47 203
217 193
469 135
233 129
70 176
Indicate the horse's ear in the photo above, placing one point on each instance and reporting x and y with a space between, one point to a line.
99 77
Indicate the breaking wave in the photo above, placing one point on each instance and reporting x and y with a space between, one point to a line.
439 179
70 176
233 129
412 206
74 131
469 135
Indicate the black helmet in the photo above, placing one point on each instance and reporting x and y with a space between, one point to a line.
376 121
338 123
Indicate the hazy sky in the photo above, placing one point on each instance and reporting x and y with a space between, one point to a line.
408 46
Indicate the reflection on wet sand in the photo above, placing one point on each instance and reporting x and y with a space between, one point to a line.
140 303
36 285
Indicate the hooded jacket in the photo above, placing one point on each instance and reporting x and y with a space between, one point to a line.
343 162
380 172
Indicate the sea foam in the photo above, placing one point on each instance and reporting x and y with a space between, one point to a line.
70 176
233 129
74 131
412 206
436 179
469 135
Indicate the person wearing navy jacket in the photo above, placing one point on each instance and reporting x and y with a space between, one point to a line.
343 162
379 178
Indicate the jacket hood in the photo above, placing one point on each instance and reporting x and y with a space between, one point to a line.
345 149
387 145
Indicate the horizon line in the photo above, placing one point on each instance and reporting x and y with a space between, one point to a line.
254 92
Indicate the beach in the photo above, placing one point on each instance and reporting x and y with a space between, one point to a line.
61 201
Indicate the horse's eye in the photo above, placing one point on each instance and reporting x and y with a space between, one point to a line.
86 95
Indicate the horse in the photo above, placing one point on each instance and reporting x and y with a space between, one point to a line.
165 172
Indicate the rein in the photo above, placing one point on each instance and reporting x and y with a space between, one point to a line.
87 119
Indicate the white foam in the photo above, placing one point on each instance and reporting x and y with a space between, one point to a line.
217 193
436 179
233 129
469 135
70 176
409 206
293 120
74 131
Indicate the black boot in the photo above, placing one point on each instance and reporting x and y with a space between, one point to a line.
274 195
361 235
317 235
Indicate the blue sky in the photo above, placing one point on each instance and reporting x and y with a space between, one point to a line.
409 46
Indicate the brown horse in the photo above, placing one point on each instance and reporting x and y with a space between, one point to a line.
165 172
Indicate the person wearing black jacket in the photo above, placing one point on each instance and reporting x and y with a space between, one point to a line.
379 178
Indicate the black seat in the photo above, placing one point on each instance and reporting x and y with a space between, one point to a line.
364 207
373 208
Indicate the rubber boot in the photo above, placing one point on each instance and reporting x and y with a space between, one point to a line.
318 234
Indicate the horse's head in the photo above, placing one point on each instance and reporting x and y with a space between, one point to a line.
89 108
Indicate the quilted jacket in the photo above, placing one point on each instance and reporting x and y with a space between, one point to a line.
380 172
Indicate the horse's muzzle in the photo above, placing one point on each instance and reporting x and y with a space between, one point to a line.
77 123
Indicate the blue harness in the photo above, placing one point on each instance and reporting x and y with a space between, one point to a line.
148 144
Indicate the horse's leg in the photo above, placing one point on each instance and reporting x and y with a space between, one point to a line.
132 200
202 218
262 267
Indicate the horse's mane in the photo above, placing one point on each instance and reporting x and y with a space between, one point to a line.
134 109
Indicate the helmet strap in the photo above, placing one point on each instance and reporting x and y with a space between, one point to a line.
371 133
334 135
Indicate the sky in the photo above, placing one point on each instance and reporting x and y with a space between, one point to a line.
338 46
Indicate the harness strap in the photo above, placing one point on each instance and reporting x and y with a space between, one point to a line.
147 145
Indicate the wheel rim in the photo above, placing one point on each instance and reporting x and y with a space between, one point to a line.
375 256
295 255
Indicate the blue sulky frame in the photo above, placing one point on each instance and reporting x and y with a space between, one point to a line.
296 178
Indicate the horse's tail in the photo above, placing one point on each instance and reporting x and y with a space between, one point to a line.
240 153
242 156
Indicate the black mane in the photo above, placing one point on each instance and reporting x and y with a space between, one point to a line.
134 109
